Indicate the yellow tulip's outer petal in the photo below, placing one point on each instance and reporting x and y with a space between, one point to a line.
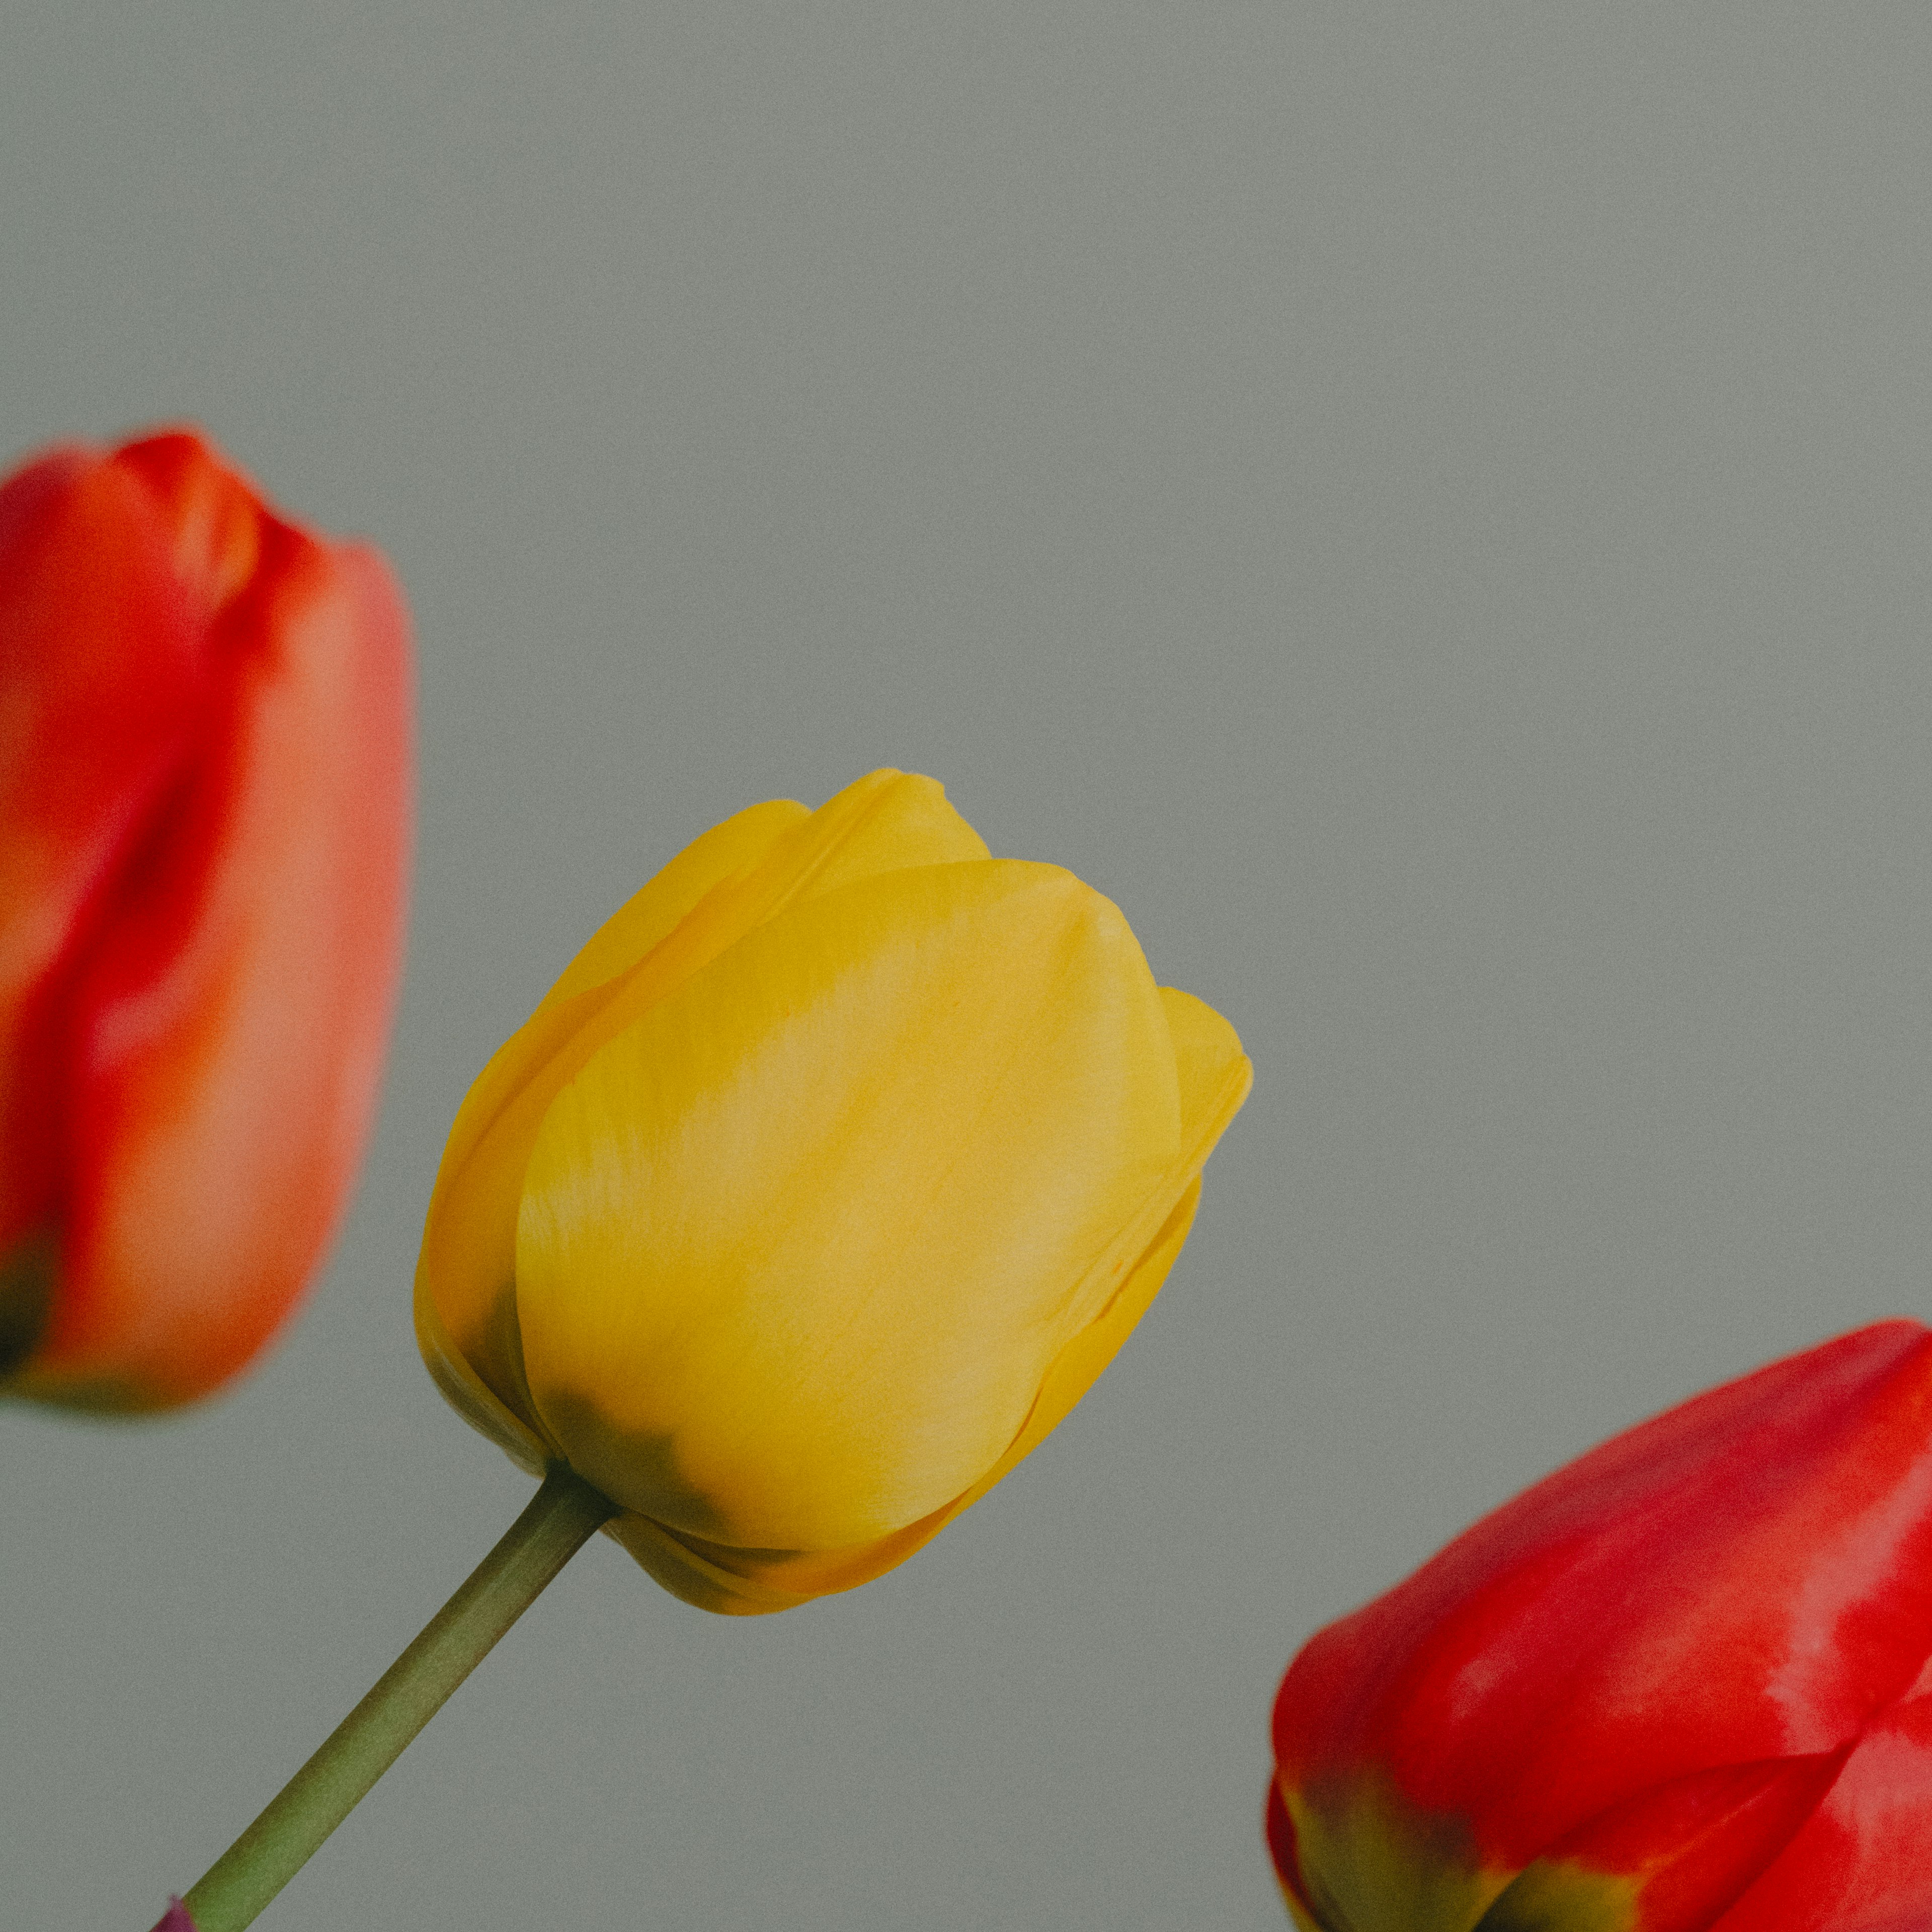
463 1276
651 913
888 821
1215 1077
729 882
465 1270
771 1290
643 923
472 1398
1078 1366
724 1582
1215 1074
751 1582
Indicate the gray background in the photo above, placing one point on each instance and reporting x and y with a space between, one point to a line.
1425 506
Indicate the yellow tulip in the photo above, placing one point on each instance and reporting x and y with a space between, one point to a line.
823 1184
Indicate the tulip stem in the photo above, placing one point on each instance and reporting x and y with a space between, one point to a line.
560 1519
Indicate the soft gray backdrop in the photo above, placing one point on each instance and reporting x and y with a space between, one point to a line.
1426 506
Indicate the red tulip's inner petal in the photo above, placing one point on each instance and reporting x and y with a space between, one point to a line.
1860 1627
796 1250
1669 1860
229 1026
105 694
1864 1860
215 522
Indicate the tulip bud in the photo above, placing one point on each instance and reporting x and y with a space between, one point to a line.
204 797
1683 1683
832 1171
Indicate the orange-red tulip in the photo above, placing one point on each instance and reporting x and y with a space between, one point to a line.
204 792
1683 1685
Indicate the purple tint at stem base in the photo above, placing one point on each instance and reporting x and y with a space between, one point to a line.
176 1919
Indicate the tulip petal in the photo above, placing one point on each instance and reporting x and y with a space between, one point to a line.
888 821
1278 1830
466 1391
106 687
651 913
215 527
266 933
721 887
675 1215
1367 1860
747 1582
1863 1861
465 1311
1672 1859
1747 1577
1214 1076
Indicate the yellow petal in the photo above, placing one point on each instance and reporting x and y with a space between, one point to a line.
750 1583
469 1235
649 915
724 884
1215 1076
885 822
797 1248
471 1397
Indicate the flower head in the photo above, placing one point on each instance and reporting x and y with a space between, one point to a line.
205 779
821 1186
1683 1683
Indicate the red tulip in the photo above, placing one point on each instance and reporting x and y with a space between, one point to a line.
1681 1683
204 780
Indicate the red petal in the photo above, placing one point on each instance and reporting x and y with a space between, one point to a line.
216 523
1748 1576
1279 1829
1687 1848
103 686
230 1026
1864 1863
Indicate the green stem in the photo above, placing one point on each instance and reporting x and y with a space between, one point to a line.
561 1518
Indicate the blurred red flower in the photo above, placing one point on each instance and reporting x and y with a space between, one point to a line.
206 777
1681 1683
